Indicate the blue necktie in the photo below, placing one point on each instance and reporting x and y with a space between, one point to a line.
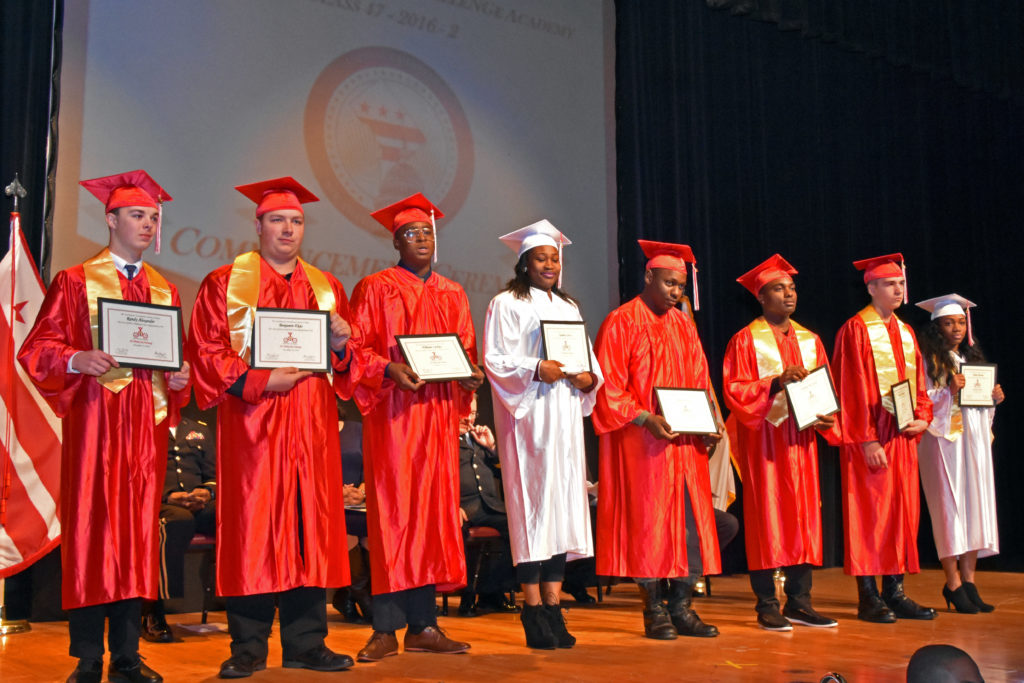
130 270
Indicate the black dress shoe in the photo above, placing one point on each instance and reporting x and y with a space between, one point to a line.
241 666
807 616
87 673
319 658
581 596
136 673
156 630
496 602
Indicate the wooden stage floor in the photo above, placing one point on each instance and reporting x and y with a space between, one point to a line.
611 644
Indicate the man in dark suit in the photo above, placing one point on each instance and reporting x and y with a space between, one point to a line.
481 503
188 507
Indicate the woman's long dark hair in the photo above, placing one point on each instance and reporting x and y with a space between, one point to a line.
520 284
935 351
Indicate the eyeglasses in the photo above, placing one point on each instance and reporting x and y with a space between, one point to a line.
410 233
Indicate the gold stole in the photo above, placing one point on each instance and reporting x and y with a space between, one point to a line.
243 293
102 281
769 360
886 371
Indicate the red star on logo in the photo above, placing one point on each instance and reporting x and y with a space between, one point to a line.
17 311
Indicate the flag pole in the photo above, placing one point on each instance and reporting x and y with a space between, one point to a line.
17 191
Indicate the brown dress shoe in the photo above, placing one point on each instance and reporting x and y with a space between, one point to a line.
433 639
379 646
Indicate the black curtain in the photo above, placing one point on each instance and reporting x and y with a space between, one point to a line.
29 100
743 140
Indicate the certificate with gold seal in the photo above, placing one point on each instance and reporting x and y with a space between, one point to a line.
688 411
140 335
435 357
288 338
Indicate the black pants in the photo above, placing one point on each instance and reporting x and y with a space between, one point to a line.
414 607
177 527
85 626
797 586
303 614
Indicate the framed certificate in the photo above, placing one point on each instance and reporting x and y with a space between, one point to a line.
903 403
688 411
812 396
287 338
980 381
140 335
566 342
435 357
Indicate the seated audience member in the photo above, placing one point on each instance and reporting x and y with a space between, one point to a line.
188 507
942 664
482 503
354 601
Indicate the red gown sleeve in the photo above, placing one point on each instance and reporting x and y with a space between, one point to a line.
854 374
616 406
372 382
747 396
57 334
215 365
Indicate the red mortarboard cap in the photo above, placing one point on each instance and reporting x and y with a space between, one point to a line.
134 188
277 194
667 255
890 265
414 209
773 268
674 257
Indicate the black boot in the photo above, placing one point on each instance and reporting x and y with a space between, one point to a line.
154 623
657 624
902 606
359 591
556 620
972 593
870 606
685 620
537 628
959 599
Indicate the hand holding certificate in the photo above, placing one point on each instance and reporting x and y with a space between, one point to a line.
688 411
979 385
140 335
435 357
812 396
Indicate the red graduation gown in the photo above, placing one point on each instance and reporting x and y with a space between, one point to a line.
641 528
881 508
411 439
113 458
778 465
273 450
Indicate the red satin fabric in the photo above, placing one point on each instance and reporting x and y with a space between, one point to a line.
881 507
411 439
113 458
273 450
778 465
640 522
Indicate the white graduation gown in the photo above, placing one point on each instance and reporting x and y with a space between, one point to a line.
540 431
956 474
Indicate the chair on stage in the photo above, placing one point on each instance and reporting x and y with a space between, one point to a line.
487 542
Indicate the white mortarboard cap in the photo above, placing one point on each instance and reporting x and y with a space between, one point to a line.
950 304
537 234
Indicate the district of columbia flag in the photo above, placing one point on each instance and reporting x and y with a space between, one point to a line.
30 432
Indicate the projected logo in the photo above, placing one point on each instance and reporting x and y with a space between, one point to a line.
381 125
